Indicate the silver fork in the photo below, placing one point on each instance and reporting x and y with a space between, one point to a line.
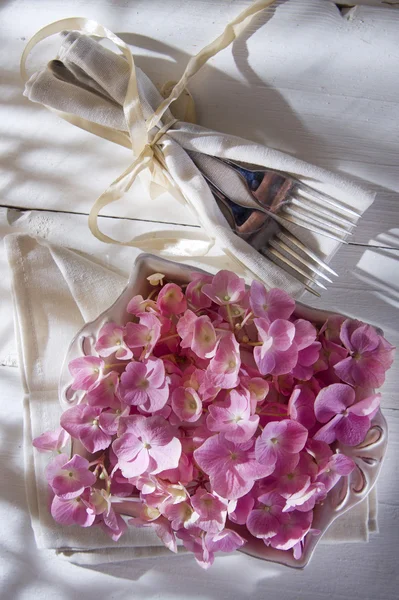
296 202
267 234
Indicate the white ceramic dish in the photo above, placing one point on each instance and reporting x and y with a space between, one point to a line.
349 491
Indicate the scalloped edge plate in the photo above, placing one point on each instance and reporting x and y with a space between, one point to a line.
349 491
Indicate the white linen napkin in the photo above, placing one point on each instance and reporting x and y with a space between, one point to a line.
55 290
89 81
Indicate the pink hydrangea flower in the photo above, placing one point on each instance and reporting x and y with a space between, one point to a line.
171 300
204 545
103 393
232 468
299 478
278 353
50 441
109 418
144 334
345 420
186 404
293 528
113 524
180 515
210 509
271 305
305 499
280 443
339 465
226 288
86 371
75 511
111 341
264 521
233 417
194 294
82 422
370 355
144 384
138 305
225 365
147 445
197 333
69 478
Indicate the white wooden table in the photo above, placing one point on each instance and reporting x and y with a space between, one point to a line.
314 81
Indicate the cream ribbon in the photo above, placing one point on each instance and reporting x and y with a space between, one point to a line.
146 154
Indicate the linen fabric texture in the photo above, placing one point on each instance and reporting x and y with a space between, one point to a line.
89 81
55 291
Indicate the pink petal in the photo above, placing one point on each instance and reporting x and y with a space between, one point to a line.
300 406
262 524
293 437
367 371
127 446
194 293
283 333
155 372
157 398
367 406
275 304
226 288
347 328
327 433
85 371
352 430
51 440
342 464
113 525
204 338
93 438
365 339
186 404
166 456
224 541
305 333
103 393
70 512
171 300
211 511
239 509
332 400
136 466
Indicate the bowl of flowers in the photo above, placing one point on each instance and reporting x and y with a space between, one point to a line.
223 417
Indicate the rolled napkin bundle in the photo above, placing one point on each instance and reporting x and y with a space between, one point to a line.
105 93
55 291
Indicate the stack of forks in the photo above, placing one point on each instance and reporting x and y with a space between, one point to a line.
260 203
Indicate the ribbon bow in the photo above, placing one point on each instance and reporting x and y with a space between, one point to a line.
147 155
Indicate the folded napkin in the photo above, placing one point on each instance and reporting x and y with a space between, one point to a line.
55 290
105 93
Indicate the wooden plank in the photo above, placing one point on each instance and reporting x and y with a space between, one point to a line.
317 99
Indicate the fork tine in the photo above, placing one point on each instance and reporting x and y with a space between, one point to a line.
288 236
306 225
301 213
279 244
322 212
295 267
266 252
315 196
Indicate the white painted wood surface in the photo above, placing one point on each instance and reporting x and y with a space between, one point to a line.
308 81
